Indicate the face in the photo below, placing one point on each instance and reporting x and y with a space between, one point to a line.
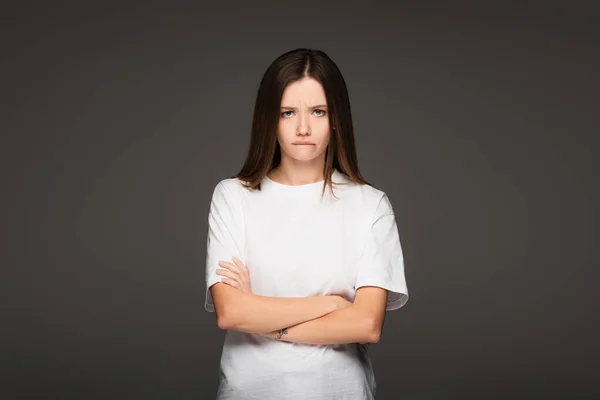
304 117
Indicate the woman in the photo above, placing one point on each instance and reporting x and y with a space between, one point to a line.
299 276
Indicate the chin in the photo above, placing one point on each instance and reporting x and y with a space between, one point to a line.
301 154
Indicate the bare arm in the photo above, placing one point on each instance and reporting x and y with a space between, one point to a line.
361 322
251 313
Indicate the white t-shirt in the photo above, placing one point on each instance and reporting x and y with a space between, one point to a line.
294 245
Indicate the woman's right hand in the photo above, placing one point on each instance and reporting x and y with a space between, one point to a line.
340 302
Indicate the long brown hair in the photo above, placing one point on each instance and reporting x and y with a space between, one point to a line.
264 152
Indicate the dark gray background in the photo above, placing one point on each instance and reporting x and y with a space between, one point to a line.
479 121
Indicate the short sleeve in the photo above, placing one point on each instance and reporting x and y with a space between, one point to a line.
225 234
382 261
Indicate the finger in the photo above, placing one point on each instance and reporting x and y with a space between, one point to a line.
241 277
230 282
229 274
239 264
230 266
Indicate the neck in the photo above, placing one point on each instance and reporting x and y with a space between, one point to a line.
294 173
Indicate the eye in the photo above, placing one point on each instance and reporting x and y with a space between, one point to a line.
318 110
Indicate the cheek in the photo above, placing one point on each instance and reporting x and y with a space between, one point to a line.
324 133
285 128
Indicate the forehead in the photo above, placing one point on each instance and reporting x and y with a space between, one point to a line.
305 91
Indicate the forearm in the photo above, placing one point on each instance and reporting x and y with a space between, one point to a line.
253 313
348 325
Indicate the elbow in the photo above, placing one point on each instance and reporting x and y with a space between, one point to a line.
375 336
373 332
222 323
226 319
229 306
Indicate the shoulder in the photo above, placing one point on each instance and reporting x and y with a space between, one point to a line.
366 197
228 188
229 185
371 193
377 202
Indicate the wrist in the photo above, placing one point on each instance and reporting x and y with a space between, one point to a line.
270 335
279 334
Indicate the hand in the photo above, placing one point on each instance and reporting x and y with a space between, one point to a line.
235 274
340 302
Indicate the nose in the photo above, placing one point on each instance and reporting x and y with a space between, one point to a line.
303 126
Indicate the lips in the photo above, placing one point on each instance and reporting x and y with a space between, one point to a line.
305 143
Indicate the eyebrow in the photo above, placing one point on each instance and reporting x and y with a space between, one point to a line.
313 107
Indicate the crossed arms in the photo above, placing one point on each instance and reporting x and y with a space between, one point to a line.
309 320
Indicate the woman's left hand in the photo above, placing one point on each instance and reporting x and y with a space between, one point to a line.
235 274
